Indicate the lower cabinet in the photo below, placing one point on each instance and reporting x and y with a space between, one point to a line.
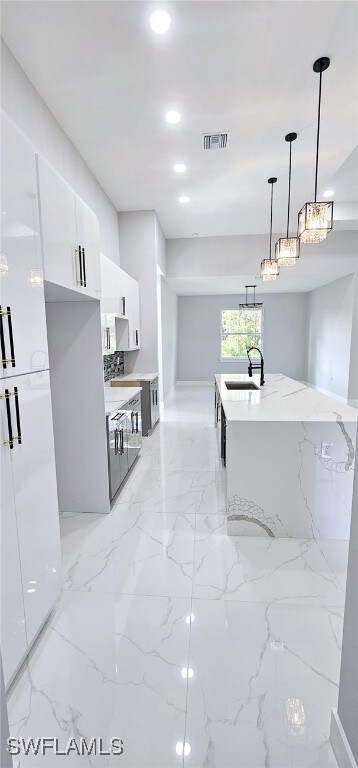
30 537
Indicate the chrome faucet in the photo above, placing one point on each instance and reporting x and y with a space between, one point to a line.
252 365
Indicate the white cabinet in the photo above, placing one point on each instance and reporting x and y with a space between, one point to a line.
31 507
119 309
128 331
23 337
108 328
87 229
13 631
70 235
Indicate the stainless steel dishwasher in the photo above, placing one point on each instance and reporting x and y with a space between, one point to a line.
134 428
117 446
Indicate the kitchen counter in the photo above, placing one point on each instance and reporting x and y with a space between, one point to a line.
280 399
136 377
289 459
114 402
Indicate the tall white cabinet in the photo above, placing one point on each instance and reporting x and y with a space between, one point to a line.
30 539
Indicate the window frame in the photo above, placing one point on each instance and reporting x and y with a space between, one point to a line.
244 357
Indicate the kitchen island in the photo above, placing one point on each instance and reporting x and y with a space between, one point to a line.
289 455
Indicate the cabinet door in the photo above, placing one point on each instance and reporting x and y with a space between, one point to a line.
111 300
87 229
58 228
108 326
24 337
133 311
124 294
13 633
34 476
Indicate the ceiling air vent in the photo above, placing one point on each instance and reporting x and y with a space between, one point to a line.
215 140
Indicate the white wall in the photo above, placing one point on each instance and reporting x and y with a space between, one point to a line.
329 335
348 686
25 106
284 344
142 247
169 320
236 255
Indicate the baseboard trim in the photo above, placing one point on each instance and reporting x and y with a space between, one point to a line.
340 743
195 383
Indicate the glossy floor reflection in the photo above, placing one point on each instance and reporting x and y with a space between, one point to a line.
196 649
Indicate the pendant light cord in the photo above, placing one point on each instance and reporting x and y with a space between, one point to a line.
318 129
271 220
289 192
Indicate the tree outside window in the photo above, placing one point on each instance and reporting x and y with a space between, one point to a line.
240 330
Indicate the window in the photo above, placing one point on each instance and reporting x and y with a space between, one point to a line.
240 329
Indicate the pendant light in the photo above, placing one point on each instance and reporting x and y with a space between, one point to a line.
269 267
287 249
315 220
252 304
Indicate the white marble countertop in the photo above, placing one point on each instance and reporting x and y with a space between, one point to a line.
136 377
280 399
112 399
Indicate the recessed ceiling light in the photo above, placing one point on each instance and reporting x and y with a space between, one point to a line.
179 167
172 117
184 199
183 749
160 22
328 193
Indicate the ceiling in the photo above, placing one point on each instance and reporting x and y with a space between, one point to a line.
242 67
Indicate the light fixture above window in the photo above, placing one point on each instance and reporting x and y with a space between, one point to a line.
287 249
250 304
315 220
270 269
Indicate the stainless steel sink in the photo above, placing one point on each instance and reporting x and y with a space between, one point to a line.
241 385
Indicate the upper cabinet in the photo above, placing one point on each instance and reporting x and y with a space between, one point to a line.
119 309
70 235
23 337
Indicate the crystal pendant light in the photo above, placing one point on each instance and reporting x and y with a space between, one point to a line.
287 249
315 220
250 304
269 267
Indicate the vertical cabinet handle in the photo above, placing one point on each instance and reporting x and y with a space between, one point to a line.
6 361
11 436
79 251
115 442
136 338
123 305
2 340
132 421
136 422
121 441
17 412
108 339
84 268
10 441
156 397
11 338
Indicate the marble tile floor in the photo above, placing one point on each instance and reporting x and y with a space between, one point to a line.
195 649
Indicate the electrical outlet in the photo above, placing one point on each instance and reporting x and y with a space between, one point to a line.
326 450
